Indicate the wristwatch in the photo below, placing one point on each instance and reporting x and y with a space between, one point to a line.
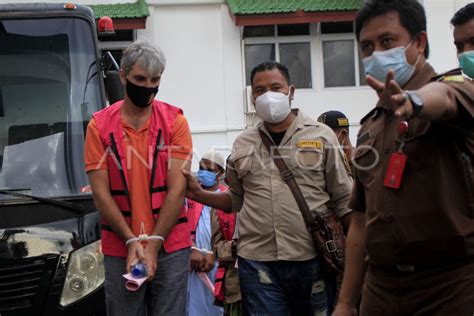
416 102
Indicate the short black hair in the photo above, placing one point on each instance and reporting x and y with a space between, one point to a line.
463 15
411 14
270 65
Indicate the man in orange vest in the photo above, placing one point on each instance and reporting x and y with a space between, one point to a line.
134 152
200 297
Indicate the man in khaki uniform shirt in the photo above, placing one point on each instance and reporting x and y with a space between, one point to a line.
413 226
279 273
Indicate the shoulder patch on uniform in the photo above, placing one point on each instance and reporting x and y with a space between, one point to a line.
454 75
309 144
457 78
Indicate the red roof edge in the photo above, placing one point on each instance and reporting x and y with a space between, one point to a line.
297 17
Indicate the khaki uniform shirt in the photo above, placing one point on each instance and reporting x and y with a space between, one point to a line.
430 218
271 226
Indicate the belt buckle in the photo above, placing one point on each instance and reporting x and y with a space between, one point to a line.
330 246
405 267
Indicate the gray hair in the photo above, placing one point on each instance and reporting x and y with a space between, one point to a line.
150 57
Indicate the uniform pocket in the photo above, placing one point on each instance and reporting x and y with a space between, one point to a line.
366 159
307 159
421 147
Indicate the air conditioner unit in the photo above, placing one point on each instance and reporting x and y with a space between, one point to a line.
249 106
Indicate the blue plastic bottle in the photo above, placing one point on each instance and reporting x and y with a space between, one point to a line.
139 270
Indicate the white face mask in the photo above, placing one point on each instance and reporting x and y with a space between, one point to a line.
273 107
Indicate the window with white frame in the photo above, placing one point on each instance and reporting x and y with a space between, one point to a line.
288 44
300 46
341 59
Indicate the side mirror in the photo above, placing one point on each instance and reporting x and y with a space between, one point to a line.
113 87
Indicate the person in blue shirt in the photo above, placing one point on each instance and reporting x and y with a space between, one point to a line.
200 295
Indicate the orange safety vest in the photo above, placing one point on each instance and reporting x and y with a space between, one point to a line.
109 125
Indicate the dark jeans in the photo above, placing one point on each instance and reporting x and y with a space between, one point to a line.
276 288
331 291
164 295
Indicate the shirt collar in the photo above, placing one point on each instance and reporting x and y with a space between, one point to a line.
301 120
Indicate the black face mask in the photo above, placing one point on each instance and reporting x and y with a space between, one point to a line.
139 95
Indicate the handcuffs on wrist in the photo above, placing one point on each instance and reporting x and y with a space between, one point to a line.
144 237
